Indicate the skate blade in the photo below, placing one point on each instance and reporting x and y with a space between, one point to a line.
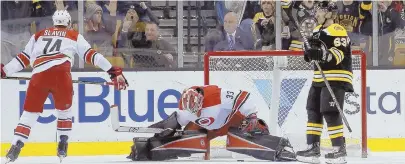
340 160
8 160
61 158
312 160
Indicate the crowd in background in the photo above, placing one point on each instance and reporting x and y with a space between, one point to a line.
128 32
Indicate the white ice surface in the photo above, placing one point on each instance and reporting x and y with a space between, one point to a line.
374 158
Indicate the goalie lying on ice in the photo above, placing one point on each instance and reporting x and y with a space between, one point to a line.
207 112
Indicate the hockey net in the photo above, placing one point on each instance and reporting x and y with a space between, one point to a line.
279 82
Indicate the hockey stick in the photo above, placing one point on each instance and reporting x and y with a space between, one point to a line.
322 74
115 124
74 81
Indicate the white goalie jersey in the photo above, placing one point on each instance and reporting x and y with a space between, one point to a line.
219 106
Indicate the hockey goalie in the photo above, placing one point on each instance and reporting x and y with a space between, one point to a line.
206 112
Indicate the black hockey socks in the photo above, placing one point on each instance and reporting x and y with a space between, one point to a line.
314 131
335 128
314 127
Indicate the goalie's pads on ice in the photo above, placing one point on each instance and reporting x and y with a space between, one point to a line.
265 147
181 144
168 144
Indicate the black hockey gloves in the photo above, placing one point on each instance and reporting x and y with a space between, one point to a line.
314 54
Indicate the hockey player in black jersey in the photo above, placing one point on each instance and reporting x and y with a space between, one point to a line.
330 46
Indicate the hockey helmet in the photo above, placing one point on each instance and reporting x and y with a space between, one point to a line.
61 17
192 100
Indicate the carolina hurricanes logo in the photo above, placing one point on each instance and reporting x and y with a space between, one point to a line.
205 121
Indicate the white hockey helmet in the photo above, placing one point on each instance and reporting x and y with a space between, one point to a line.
61 17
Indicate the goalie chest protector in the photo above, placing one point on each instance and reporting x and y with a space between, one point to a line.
338 70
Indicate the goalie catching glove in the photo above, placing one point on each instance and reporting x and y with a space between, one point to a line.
317 51
116 76
253 125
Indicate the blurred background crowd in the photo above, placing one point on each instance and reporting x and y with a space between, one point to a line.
155 34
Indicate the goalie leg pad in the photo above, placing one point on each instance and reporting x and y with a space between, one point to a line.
140 149
265 147
178 146
158 148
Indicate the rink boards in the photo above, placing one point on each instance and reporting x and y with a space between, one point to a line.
154 95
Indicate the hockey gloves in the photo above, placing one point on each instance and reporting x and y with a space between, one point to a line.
253 125
3 74
317 54
314 54
116 76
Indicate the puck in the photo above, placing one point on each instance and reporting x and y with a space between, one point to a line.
240 160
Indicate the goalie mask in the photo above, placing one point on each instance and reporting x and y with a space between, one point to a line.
192 100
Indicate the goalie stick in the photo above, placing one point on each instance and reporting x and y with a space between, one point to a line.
74 81
321 71
115 124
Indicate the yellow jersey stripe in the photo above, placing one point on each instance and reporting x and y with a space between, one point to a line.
336 135
313 132
315 125
335 127
334 72
339 55
333 79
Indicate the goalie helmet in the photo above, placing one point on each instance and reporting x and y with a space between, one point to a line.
192 100
62 18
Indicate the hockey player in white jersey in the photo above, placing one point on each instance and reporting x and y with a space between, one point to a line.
50 53
207 112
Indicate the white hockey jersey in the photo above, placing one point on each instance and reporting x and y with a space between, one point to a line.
219 106
54 46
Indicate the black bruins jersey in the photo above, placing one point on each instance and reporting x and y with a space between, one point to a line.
305 17
338 70
351 16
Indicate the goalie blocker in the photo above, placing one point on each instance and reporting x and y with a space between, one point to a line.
171 144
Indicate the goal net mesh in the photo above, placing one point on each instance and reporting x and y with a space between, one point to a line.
279 81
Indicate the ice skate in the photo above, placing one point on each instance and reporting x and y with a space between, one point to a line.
337 156
62 147
310 155
14 151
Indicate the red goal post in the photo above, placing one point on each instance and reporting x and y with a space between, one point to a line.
279 80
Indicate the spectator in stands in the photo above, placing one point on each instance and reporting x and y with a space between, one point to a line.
351 15
144 12
99 33
304 13
133 28
15 28
155 53
233 38
222 7
165 51
264 32
391 21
